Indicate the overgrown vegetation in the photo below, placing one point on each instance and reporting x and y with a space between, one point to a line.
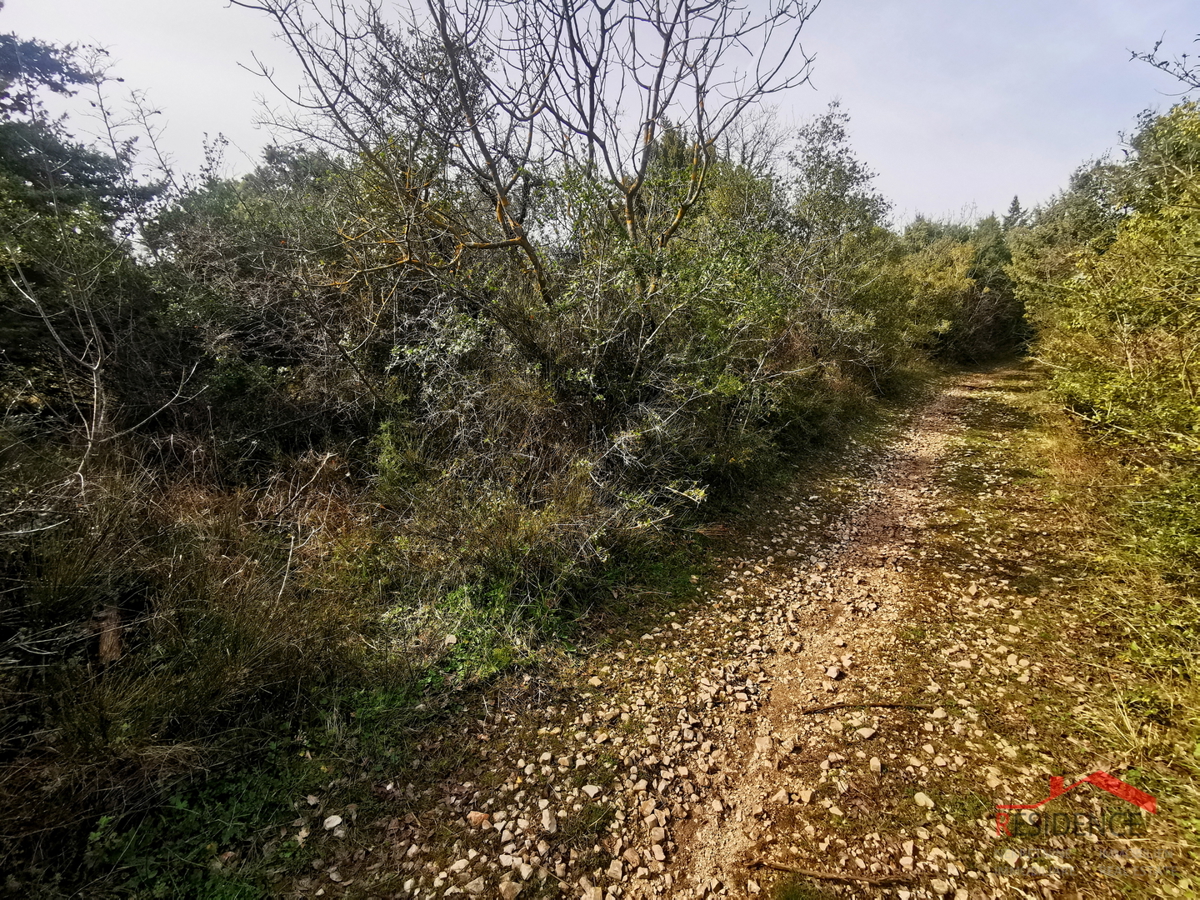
1108 271
384 414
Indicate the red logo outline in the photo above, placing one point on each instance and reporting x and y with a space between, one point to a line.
1110 783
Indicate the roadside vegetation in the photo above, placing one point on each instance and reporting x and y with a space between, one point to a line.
287 457
1108 273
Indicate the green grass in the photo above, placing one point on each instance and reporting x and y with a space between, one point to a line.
1137 519
215 838
797 887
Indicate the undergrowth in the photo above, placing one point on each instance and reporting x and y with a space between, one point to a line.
1137 514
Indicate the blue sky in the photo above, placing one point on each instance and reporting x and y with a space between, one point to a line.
967 102
957 104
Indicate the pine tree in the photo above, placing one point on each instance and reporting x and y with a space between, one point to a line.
1015 216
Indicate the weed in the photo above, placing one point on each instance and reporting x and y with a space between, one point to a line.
797 887
585 826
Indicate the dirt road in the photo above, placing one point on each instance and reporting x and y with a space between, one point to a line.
888 653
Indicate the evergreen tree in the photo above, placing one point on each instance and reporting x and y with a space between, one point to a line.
1016 216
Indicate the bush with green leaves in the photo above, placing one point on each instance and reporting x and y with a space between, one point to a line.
1119 317
1108 272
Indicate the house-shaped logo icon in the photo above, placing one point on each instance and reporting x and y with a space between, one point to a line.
1110 783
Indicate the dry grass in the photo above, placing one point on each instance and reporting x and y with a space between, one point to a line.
152 634
1143 600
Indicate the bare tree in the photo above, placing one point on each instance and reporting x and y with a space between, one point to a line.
462 107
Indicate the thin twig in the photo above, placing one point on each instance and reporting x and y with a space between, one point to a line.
287 570
832 876
820 709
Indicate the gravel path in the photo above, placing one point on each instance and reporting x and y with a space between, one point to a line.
844 706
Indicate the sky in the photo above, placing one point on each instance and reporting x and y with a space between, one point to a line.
958 105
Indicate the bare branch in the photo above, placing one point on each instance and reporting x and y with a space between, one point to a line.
493 95
1183 68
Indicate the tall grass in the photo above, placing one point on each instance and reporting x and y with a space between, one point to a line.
146 638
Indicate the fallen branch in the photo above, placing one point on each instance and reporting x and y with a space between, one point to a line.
830 708
832 876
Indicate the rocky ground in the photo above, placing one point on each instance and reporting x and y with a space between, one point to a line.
886 654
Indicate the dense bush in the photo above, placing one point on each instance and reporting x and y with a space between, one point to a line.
1109 274
272 438
1117 300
